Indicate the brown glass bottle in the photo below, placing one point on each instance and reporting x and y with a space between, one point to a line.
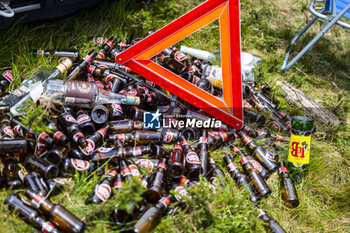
6 78
288 193
82 65
84 121
29 214
115 112
203 152
122 126
70 166
12 174
272 224
6 129
57 214
172 64
157 183
14 146
214 142
193 164
106 48
259 153
151 218
41 166
240 178
73 54
35 183
125 170
175 162
70 125
253 174
58 135
103 190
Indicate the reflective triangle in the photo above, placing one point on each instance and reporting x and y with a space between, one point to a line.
229 108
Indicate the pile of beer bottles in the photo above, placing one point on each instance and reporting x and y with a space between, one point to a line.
96 118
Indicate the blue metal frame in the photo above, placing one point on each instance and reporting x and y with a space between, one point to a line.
330 20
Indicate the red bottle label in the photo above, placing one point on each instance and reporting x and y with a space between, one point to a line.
117 107
47 227
184 180
203 140
90 148
165 201
88 58
235 149
246 140
182 191
145 163
132 92
62 180
180 56
279 138
83 119
256 165
8 130
77 136
70 118
80 165
136 151
103 191
168 137
42 137
224 137
90 69
275 126
162 165
244 160
126 172
193 158
8 75
282 169
99 84
118 184
112 172
58 135
37 200
134 170
121 137
100 55
231 166
104 149
99 40
103 132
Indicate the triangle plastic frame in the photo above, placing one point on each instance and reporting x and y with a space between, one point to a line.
228 109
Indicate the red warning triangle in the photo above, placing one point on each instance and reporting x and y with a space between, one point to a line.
228 108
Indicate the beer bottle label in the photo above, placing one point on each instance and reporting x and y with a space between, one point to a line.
136 151
58 135
231 166
256 165
145 163
80 92
134 170
299 150
103 132
80 165
126 172
90 148
42 137
8 75
203 140
63 180
103 191
168 137
192 158
83 119
36 201
282 169
181 191
165 201
104 149
162 165
118 184
8 131
47 227
70 118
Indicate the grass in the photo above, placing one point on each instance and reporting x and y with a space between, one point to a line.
323 73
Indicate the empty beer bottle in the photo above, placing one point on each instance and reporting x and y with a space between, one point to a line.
255 178
258 152
272 224
103 190
70 166
175 162
41 166
122 126
57 214
6 79
203 152
288 192
106 48
29 214
36 183
6 129
83 64
60 138
215 174
95 140
240 178
172 64
84 94
98 40
46 139
157 183
186 182
15 146
193 164
56 154
72 54
125 170
151 218
99 115
115 112
13 175
112 65
70 125
84 121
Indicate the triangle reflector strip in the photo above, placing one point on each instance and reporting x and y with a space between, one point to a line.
228 108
